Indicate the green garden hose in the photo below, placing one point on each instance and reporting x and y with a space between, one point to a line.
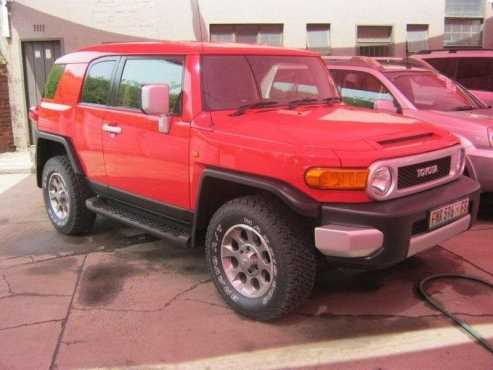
437 305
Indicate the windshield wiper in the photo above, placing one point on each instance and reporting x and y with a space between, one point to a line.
294 103
260 104
464 108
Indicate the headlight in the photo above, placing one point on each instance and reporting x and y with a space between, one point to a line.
490 136
380 181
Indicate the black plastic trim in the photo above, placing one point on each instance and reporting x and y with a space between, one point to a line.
295 199
67 144
160 209
397 218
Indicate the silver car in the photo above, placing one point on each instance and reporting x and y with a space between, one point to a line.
413 89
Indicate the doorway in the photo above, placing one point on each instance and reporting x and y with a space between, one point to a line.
38 58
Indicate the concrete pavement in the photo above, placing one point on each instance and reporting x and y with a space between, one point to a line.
120 299
17 162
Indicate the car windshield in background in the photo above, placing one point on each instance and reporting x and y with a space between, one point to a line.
230 82
430 92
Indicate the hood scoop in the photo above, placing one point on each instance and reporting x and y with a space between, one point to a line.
407 140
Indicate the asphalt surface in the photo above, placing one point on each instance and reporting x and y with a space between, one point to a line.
118 298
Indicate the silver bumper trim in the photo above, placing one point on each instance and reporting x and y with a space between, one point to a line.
351 242
347 241
423 242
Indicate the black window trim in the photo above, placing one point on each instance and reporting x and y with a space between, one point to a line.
116 59
119 73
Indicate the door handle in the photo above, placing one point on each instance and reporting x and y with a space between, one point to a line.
108 127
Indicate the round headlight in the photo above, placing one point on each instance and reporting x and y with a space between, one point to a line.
381 181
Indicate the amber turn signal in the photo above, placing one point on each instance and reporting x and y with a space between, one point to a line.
336 178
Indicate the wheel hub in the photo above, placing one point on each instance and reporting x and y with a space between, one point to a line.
247 261
58 195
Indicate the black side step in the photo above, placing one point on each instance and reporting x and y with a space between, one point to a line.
160 227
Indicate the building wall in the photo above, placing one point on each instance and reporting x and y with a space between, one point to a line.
78 23
488 26
342 15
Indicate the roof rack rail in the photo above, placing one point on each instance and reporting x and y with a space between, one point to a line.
379 63
354 60
454 49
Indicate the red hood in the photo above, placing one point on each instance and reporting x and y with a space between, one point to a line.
358 136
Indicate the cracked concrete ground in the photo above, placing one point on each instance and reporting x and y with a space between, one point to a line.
121 299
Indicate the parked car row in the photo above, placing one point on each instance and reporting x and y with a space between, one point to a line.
249 151
472 68
413 89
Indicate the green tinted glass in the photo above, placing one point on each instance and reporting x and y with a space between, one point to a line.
53 80
98 83
141 72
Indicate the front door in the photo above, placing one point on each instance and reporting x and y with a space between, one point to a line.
140 160
38 57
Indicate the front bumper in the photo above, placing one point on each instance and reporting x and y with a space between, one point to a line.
480 162
376 235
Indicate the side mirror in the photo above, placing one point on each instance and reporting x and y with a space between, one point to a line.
155 101
385 105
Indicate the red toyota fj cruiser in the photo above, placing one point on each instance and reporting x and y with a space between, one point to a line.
249 150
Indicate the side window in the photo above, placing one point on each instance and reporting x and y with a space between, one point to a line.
97 85
52 80
361 89
476 74
140 72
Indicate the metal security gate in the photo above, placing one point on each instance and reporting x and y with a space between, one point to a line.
38 57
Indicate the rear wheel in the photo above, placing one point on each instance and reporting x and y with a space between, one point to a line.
65 194
260 257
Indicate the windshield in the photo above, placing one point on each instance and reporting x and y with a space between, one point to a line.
230 82
429 91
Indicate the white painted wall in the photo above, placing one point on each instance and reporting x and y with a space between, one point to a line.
343 16
79 23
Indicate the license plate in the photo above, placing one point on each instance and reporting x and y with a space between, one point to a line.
446 214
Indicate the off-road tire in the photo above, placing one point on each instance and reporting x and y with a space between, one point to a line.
294 255
79 220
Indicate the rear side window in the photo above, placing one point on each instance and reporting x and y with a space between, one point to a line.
140 72
97 85
447 66
52 80
476 74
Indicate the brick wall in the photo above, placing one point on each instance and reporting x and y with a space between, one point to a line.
6 136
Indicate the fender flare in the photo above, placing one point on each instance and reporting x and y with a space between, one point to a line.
69 149
299 202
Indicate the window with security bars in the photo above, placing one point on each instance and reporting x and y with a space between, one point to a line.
417 37
465 8
318 38
264 34
463 32
375 41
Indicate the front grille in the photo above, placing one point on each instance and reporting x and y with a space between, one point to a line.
420 173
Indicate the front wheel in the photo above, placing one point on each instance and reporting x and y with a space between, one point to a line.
260 258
